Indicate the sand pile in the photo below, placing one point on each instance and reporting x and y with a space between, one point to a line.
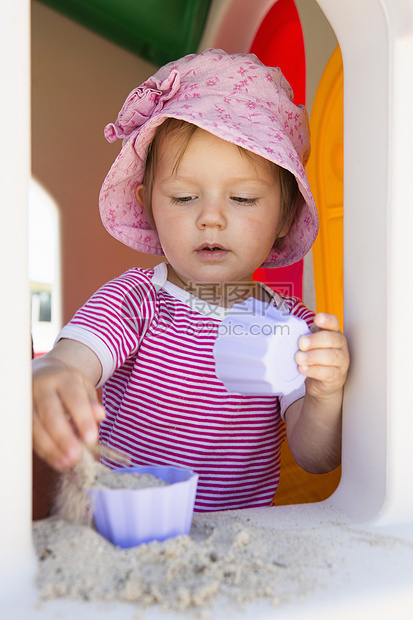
226 558
106 479
223 557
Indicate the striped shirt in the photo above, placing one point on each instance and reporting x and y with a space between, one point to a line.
164 403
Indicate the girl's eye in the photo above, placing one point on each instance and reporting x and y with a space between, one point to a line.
180 200
244 201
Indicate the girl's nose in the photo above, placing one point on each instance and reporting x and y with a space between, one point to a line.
212 215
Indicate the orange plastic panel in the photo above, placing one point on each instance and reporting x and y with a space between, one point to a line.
279 41
325 172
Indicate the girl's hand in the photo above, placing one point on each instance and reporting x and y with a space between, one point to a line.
65 404
323 357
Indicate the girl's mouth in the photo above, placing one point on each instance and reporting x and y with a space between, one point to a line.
211 251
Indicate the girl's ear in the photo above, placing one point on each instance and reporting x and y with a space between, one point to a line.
140 194
284 230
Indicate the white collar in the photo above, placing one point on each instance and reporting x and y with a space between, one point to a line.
160 281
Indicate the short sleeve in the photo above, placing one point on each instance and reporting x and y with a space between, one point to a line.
114 320
289 399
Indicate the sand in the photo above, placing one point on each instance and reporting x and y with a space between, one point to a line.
106 479
223 556
227 562
227 559
73 503
183 573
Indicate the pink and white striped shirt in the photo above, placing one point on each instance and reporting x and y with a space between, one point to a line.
164 403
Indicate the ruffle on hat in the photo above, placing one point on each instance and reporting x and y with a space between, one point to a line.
141 104
236 98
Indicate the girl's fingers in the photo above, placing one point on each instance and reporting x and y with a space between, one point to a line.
65 408
55 420
322 339
323 380
98 412
323 320
46 447
322 357
327 374
78 403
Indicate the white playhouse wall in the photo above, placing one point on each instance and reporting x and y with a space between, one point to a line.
376 40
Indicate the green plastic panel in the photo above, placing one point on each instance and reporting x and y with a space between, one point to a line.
157 30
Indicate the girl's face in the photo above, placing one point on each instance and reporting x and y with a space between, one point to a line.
217 213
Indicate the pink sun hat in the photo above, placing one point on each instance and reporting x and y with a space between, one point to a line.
236 98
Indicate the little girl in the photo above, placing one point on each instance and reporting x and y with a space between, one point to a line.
211 176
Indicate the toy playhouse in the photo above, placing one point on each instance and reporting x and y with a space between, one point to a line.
351 63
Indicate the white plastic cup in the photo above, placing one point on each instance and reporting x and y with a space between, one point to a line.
255 349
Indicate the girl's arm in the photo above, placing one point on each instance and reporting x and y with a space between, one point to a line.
65 404
314 422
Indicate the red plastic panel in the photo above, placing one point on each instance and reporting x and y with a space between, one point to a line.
280 42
